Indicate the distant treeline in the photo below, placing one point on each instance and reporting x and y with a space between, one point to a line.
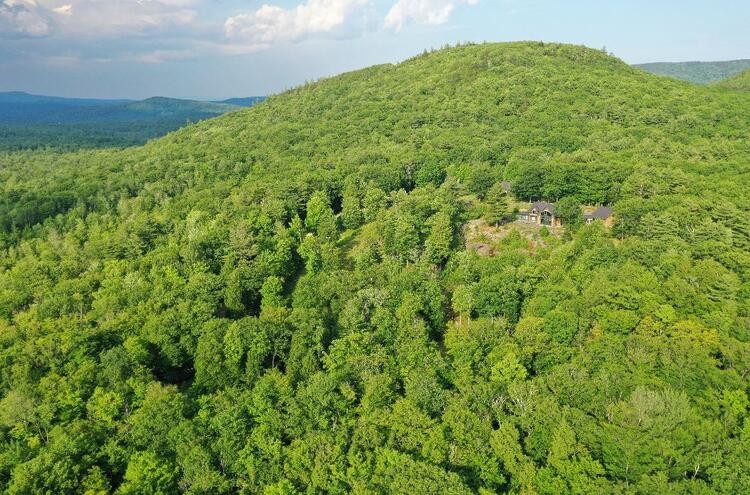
34 122
697 72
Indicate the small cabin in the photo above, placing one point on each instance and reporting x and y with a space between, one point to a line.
540 213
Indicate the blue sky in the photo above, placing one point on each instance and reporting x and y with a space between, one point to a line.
220 48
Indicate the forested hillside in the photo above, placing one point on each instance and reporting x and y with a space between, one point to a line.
281 300
697 72
740 82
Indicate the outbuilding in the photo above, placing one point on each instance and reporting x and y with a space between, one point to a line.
603 213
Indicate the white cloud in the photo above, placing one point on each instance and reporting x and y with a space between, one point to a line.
64 9
159 56
69 32
92 17
109 18
155 31
271 24
22 18
431 12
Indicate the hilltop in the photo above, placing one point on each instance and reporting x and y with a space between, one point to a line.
697 72
24 108
282 300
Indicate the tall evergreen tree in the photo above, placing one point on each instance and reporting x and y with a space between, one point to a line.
496 205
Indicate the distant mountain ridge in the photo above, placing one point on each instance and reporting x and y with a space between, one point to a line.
20 107
21 97
697 72
24 97
29 121
247 101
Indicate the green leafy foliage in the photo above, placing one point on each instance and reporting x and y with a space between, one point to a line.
280 301
497 205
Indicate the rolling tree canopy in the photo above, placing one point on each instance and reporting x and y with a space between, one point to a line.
323 293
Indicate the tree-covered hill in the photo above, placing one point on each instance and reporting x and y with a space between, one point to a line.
740 82
697 72
280 300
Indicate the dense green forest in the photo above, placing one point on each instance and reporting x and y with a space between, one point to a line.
33 122
281 300
697 72
86 135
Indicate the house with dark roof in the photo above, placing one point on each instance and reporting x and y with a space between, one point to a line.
603 213
540 213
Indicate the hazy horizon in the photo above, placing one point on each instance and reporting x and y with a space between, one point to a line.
224 98
199 49
125 98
